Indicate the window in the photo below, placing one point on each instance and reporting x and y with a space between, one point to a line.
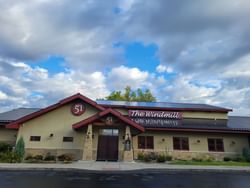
145 142
109 132
181 143
68 139
35 138
215 144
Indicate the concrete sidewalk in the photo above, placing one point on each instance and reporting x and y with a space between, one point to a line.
117 166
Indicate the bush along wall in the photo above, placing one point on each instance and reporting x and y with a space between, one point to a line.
153 157
8 155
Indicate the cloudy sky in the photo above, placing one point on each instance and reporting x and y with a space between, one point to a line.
184 51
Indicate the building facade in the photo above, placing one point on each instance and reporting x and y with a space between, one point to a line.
119 131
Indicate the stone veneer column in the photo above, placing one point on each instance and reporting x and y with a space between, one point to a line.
128 154
88 145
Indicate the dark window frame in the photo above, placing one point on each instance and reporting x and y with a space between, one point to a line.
35 138
145 142
181 143
215 144
68 139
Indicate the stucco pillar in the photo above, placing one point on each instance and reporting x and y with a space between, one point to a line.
87 150
128 150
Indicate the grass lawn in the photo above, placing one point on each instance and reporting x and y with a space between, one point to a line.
212 163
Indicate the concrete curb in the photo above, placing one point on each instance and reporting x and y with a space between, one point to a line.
145 171
124 169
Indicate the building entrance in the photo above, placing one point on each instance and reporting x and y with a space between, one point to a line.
107 149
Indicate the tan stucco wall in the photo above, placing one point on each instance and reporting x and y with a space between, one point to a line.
58 122
8 135
195 148
122 111
205 115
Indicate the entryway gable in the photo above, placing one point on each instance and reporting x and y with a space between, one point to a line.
108 117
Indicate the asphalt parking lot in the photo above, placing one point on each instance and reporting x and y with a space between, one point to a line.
145 178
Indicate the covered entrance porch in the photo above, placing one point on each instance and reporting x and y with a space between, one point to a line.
108 136
108 145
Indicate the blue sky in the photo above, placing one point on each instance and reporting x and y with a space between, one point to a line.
195 51
53 63
142 56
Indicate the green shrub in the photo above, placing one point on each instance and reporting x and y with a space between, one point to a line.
168 158
197 159
65 157
239 159
20 148
161 159
245 153
152 156
10 157
38 157
147 158
209 159
247 159
140 156
50 158
29 157
4 147
227 159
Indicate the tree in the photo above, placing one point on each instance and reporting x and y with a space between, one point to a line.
131 95
20 148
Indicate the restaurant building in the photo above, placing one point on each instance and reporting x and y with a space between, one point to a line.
119 130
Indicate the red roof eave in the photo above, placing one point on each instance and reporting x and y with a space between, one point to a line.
200 130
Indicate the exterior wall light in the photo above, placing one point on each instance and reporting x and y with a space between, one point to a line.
51 135
198 141
233 143
88 134
163 140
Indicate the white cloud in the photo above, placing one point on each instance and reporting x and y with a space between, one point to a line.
240 68
206 44
162 68
183 90
35 88
83 32
3 96
120 77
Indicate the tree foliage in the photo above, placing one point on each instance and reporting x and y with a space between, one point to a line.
132 95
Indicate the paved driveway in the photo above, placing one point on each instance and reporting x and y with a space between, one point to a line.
142 178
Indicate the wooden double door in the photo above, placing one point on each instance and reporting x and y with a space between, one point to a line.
107 149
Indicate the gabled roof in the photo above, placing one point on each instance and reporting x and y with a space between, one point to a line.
16 124
17 113
101 114
162 106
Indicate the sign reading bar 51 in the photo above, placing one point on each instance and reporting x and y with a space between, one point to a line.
77 109
155 114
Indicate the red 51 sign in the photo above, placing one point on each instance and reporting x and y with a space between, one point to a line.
77 109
